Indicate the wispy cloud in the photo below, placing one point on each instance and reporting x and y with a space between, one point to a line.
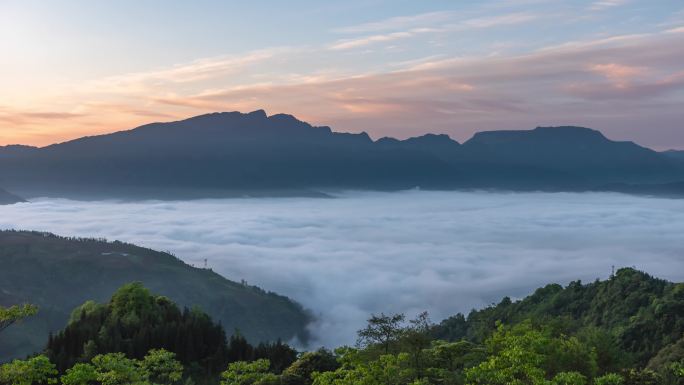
23 116
200 69
602 5
464 25
399 22
368 40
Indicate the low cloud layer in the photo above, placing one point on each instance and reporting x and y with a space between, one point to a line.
344 258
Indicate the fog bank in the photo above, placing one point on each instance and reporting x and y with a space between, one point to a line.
344 258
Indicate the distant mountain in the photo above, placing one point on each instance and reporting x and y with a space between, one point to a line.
7 198
58 274
225 154
677 155
577 151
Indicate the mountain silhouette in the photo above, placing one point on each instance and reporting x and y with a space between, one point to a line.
7 198
232 153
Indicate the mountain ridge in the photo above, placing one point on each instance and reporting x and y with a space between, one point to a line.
255 154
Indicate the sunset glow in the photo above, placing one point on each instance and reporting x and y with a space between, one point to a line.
76 68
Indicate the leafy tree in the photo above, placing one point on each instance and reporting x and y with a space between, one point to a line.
609 379
160 366
248 373
524 354
569 378
80 374
381 330
387 369
301 370
416 337
33 371
117 369
13 314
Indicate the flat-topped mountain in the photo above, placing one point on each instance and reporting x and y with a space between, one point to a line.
232 153
58 274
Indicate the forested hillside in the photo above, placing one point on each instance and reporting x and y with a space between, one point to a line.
58 274
623 331
640 313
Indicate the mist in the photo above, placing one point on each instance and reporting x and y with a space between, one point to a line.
362 253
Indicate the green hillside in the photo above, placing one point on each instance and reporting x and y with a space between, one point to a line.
640 313
59 274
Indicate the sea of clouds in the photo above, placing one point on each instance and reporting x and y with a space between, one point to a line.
362 253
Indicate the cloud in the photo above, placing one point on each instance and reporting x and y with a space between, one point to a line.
602 5
344 258
368 40
610 83
197 70
619 84
464 25
399 22
23 116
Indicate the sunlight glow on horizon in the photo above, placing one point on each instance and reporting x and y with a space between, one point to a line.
75 68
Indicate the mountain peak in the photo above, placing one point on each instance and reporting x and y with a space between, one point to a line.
258 113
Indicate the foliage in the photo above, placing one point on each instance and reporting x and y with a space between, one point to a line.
248 373
381 330
628 318
57 274
13 314
300 371
609 379
135 322
36 370
558 348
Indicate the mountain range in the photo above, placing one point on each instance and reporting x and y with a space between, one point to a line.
234 154
57 274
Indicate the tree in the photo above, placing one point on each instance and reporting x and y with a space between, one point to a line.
12 314
160 366
381 330
248 373
301 370
569 378
417 337
525 354
609 379
116 369
388 369
80 374
36 370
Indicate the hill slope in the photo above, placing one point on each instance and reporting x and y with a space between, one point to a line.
643 314
232 153
58 274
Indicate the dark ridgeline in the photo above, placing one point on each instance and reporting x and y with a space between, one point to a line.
223 154
58 274
7 198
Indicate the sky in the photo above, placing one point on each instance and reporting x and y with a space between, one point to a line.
412 251
391 68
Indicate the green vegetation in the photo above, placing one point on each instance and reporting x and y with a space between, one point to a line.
13 314
58 274
628 318
628 330
136 324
